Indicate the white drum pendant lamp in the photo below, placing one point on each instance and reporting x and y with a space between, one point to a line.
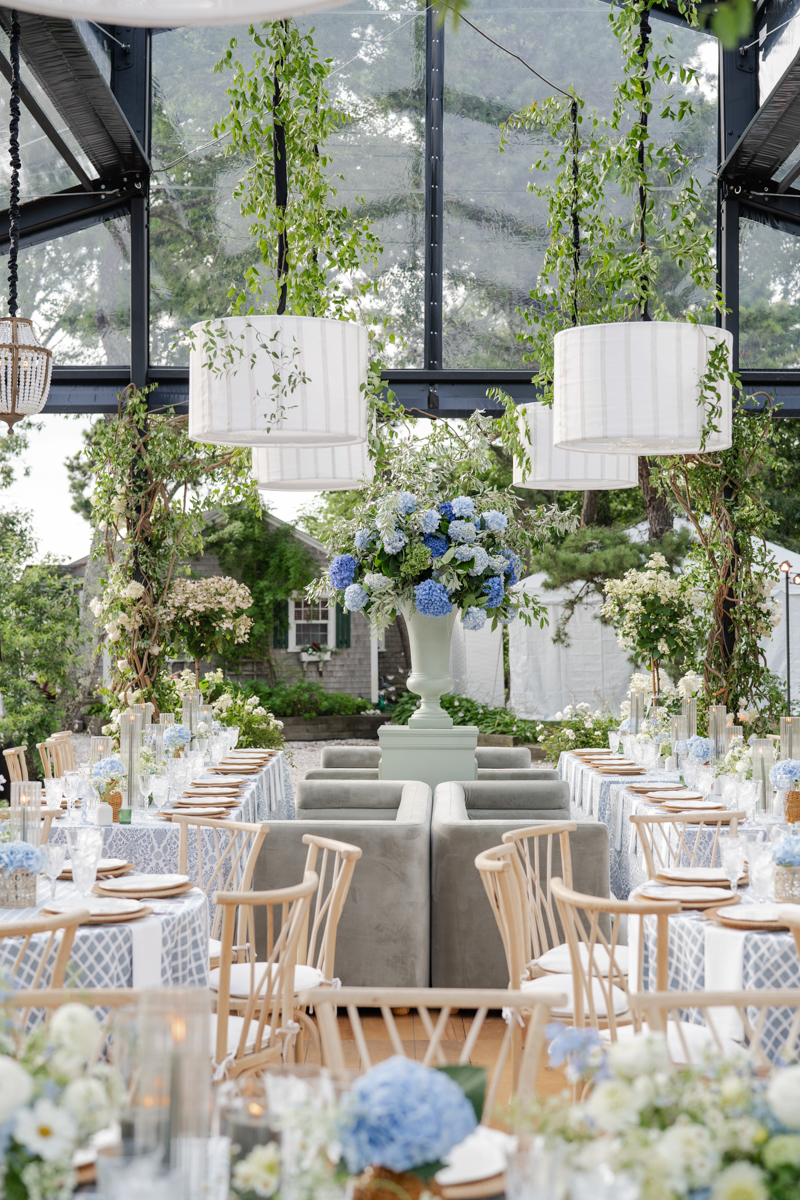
155 13
312 468
322 364
567 470
632 388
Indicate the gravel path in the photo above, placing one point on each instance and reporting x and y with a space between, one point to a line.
304 756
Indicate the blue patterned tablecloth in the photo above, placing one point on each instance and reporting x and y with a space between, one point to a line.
167 949
152 844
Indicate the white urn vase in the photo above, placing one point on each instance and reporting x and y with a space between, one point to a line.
429 639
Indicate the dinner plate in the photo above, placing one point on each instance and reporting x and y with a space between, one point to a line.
196 812
694 805
144 883
98 906
482 1155
693 875
749 916
208 798
686 895
228 771
671 795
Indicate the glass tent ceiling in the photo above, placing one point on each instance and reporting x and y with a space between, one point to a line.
130 231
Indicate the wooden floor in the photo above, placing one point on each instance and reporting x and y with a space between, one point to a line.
415 1042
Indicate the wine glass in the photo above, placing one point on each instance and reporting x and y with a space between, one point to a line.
705 781
732 854
53 791
145 781
54 855
233 736
84 870
71 781
613 742
160 787
761 868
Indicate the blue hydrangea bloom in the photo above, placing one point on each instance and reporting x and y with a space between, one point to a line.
787 852
104 768
22 856
494 521
461 531
432 599
395 542
436 545
463 506
464 553
699 747
362 539
446 510
480 561
430 520
176 737
406 503
401 1115
474 618
512 616
495 590
577 1047
784 773
513 567
342 570
355 597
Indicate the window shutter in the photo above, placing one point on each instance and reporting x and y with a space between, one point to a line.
342 628
280 625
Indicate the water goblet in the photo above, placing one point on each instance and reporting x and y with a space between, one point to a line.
53 792
613 742
233 732
160 788
732 854
689 768
761 868
71 781
54 855
84 871
705 781
730 790
649 755
145 781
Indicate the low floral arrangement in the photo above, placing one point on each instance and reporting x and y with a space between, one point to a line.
20 856
699 748
107 774
176 737
787 852
438 537
719 1131
785 774
738 759
54 1096
579 727
258 727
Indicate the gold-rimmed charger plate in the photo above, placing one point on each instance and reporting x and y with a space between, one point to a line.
138 894
712 878
216 813
117 911
622 770
696 902
122 868
641 789
734 921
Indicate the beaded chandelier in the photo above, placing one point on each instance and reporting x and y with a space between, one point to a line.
25 366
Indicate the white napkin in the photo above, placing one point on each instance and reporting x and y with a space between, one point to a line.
146 951
724 970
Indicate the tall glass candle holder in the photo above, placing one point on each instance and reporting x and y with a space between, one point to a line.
790 737
148 715
679 731
717 715
130 742
166 719
637 711
188 717
26 812
157 734
689 710
762 765
100 747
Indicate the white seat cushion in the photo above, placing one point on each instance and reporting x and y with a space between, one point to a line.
698 1039
242 979
557 961
234 1032
214 947
564 983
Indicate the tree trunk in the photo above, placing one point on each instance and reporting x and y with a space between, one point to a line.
589 514
659 515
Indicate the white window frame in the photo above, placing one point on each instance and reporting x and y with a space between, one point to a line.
294 647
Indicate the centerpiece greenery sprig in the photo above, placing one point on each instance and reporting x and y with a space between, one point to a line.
435 536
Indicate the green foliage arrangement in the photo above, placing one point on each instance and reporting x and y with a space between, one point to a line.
233 705
38 619
306 699
577 726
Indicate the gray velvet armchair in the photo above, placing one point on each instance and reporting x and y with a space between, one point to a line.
469 817
384 932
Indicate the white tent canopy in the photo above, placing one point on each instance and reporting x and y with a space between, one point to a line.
593 669
476 663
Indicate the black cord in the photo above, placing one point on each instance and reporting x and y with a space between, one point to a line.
13 145
644 30
576 231
281 177
506 50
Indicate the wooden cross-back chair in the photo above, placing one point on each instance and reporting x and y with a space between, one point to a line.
317 950
671 840
63 752
520 1047
501 873
48 760
764 1022
34 953
600 993
226 865
29 1007
541 930
15 761
254 1023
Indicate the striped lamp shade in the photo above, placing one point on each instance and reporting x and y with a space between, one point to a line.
632 388
312 468
235 401
567 470
155 13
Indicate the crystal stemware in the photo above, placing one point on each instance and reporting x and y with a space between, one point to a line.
54 856
613 742
71 781
160 788
732 854
233 736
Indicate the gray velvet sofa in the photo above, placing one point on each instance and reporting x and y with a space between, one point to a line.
384 932
469 817
363 762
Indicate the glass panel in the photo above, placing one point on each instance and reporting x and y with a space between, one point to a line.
495 232
769 297
304 610
780 41
306 635
199 241
76 289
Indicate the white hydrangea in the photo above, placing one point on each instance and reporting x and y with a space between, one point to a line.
75 1034
375 582
16 1087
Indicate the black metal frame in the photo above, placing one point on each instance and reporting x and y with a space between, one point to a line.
105 99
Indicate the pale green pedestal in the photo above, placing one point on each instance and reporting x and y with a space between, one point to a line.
432 755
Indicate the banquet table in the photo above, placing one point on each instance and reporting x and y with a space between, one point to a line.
152 844
167 949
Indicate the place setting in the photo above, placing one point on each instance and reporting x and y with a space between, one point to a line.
142 887
103 910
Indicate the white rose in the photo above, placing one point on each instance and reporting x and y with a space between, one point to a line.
86 1100
783 1096
613 1106
570 734
687 1148
122 664
640 1055
16 1087
75 1033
